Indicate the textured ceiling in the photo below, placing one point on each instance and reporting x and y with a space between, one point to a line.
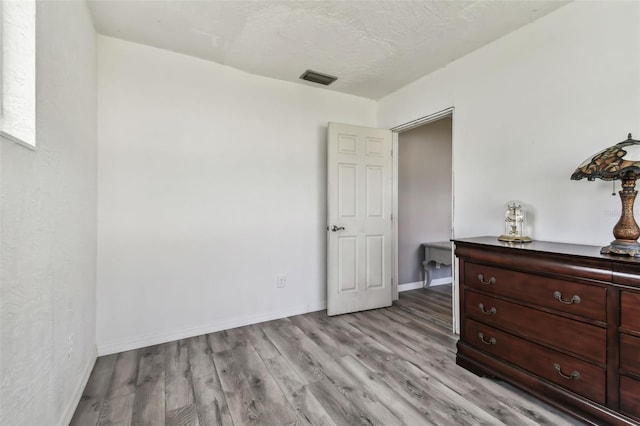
373 47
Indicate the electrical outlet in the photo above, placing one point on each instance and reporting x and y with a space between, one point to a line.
282 281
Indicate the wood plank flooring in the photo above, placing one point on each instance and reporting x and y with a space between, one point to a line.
393 366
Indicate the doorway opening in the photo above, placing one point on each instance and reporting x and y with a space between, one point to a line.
423 203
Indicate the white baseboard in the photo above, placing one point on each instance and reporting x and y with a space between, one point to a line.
197 330
70 409
419 284
440 281
409 286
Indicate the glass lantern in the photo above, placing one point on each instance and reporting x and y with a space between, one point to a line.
514 223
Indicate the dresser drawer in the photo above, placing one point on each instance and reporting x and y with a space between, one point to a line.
585 340
581 377
630 310
589 301
630 396
630 353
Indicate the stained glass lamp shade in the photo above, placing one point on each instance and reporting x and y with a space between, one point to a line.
620 161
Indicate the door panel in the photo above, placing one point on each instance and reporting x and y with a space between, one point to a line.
359 209
375 261
374 191
347 189
348 264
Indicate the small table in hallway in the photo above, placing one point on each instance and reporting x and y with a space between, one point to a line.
435 254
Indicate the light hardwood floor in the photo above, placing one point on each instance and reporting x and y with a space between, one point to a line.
393 366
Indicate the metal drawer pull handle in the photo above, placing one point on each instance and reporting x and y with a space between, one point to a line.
491 311
574 299
491 281
491 341
574 374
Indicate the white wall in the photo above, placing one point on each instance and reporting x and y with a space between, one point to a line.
48 226
529 108
424 196
18 77
211 183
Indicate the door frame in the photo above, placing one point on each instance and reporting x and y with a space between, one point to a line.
447 112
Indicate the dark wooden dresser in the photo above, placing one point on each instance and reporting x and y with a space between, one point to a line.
560 321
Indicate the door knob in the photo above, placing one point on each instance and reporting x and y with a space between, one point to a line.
337 228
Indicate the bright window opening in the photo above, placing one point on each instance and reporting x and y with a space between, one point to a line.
18 64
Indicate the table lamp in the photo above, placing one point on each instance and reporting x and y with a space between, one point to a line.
620 161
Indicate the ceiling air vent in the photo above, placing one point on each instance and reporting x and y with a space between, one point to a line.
316 77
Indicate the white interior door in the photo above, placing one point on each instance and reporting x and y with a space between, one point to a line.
358 219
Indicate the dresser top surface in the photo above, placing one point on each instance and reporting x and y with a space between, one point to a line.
549 247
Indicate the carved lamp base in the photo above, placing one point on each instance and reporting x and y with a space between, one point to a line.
626 231
622 248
